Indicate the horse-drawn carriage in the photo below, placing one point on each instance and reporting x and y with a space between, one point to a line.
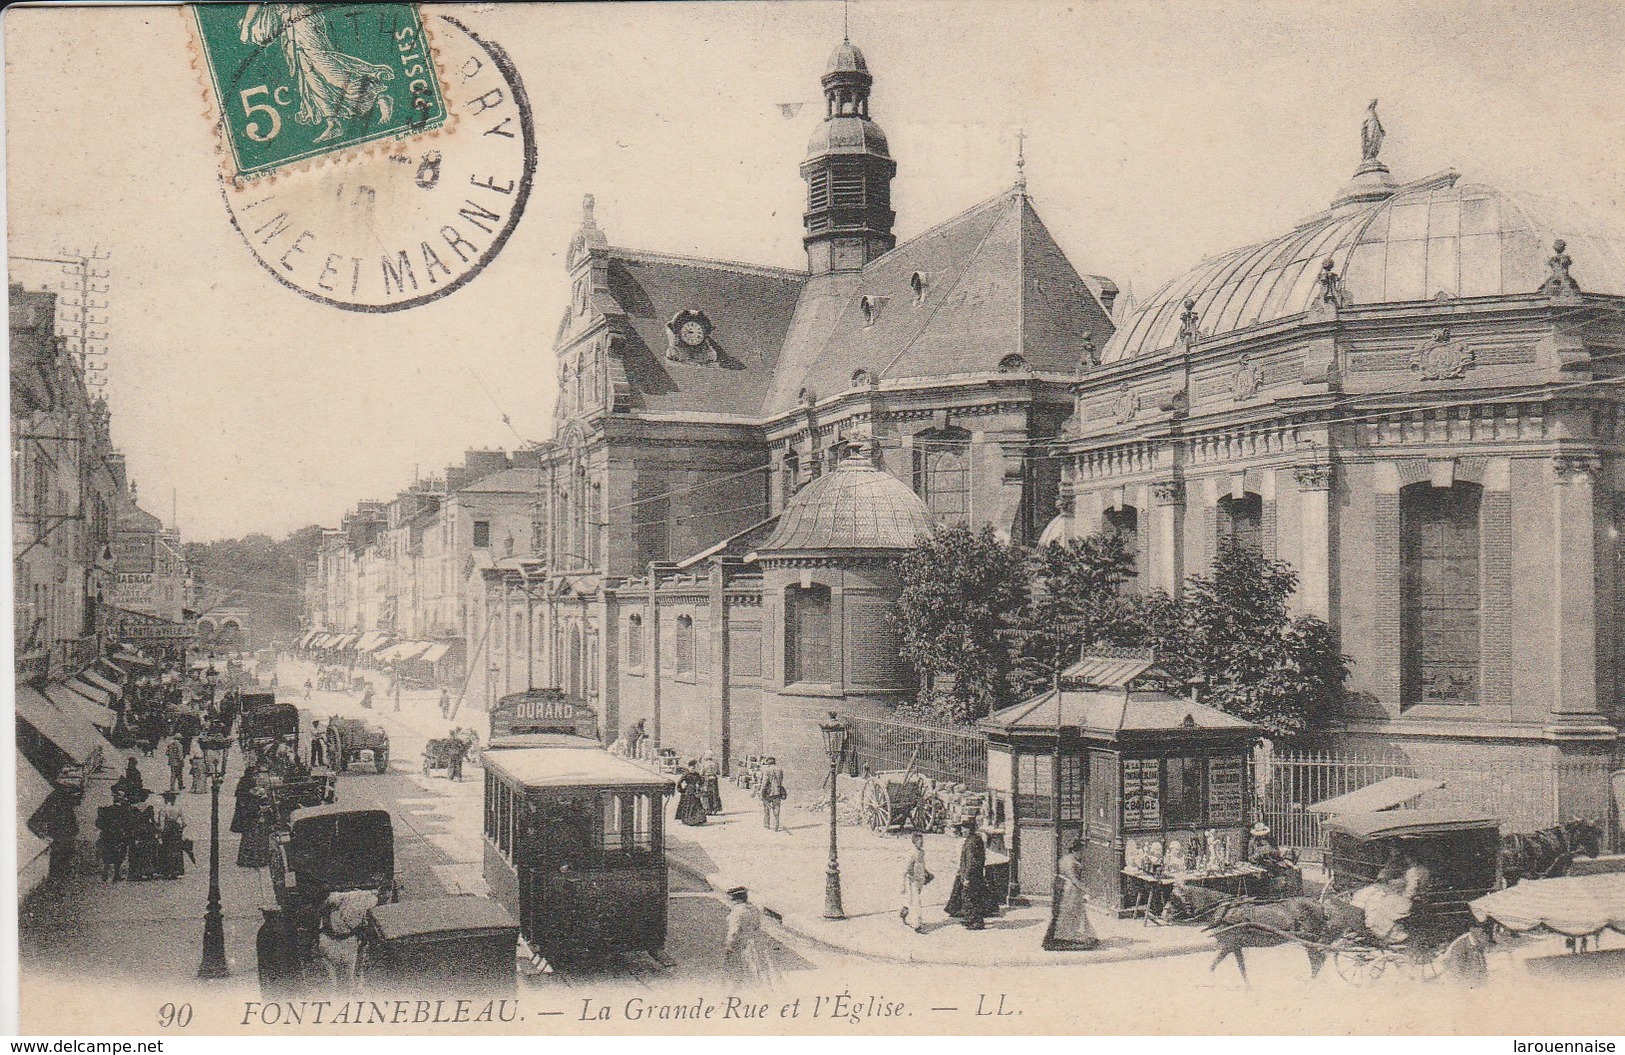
355 741
266 724
332 681
462 745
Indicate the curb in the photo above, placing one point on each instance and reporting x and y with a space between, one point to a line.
788 923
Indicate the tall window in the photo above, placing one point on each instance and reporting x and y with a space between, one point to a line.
1125 524
482 534
942 472
1241 522
634 640
684 658
1439 619
807 652
792 474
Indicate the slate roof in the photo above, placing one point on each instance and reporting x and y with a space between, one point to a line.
996 283
1111 712
749 308
854 507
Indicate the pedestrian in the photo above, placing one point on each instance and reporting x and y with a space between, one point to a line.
175 755
111 822
58 821
248 820
744 960
971 901
142 839
200 767
445 704
308 687
366 697
690 804
711 776
131 782
318 746
273 681
1069 906
770 786
171 839
459 749
915 876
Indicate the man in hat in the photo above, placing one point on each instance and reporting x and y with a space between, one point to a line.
770 786
744 960
1281 869
175 755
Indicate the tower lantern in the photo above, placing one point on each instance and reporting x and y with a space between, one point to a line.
848 172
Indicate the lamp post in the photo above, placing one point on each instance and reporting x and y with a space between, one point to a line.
214 922
835 743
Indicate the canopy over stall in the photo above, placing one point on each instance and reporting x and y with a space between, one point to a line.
1386 794
71 702
70 731
1573 906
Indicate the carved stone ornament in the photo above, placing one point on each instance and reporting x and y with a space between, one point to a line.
1188 333
1126 405
1559 283
1316 476
1574 468
1245 380
1442 358
1332 290
1168 492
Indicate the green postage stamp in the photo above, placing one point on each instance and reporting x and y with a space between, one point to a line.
297 81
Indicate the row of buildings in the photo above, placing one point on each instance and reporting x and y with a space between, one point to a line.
92 571
1410 396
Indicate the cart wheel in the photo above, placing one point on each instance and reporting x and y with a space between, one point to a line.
381 762
1353 966
933 814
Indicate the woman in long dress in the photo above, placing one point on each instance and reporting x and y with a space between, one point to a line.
971 901
690 800
248 819
1069 908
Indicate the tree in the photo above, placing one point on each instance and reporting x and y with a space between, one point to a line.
1077 602
1233 632
963 595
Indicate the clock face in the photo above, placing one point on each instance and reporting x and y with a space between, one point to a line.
692 334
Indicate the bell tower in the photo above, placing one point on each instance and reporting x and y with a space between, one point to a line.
848 172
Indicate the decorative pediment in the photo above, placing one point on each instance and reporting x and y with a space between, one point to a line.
1441 358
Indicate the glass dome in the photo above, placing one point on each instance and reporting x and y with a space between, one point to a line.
1431 238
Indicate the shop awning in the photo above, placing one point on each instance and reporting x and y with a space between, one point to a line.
101 681
72 703
1574 906
415 649
1385 794
111 671
347 641
32 789
436 652
372 641
309 636
389 653
94 693
71 731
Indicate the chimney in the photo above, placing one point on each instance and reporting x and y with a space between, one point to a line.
481 464
456 478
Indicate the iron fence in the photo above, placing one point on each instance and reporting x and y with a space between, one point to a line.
951 754
1525 794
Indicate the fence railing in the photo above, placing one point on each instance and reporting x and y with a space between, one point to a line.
948 753
1524 793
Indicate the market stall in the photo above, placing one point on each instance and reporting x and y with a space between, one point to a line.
1156 786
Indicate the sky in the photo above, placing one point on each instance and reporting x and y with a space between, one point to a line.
1157 134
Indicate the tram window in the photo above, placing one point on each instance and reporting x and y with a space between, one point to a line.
643 835
614 823
505 821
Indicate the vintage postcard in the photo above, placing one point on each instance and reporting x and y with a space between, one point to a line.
853 518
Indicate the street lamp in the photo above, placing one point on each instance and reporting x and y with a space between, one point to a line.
835 743
214 923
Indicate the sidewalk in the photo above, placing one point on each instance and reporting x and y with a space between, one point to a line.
784 872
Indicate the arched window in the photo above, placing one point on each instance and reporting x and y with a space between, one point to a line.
942 472
634 640
807 652
1124 522
1440 570
1241 522
683 652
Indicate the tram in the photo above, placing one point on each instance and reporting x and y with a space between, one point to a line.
574 836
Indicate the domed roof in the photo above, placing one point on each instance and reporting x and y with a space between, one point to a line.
855 507
1436 236
847 134
846 58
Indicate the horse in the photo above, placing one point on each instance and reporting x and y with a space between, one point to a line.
1548 852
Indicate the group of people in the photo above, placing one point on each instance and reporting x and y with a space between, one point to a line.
699 790
136 840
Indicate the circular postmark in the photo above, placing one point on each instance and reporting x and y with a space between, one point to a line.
407 222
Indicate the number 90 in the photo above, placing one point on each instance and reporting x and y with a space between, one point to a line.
177 1015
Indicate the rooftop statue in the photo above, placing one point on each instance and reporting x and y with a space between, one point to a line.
1371 134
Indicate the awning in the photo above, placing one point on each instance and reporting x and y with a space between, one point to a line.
347 641
1574 906
32 790
415 650
101 681
111 671
372 641
71 731
94 693
1385 794
72 703
309 636
436 652
389 653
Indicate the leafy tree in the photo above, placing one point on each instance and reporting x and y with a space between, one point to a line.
1078 601
959 616
1233 632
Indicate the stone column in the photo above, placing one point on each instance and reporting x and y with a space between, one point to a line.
722 735
1168 566
609 659
1315 535
1574 641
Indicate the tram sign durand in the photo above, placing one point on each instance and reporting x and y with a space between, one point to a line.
542 711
